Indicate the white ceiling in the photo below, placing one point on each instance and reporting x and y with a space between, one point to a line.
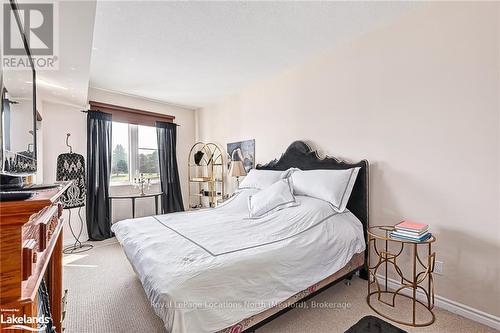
196 53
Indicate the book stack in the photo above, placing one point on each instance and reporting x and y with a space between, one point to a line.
412 231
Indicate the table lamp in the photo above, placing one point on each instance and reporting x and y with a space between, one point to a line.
236 168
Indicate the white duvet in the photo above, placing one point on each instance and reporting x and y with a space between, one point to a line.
206 270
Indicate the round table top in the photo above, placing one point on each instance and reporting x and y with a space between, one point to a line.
134 195
383 232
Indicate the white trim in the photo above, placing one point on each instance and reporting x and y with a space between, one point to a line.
154 100
63 103
452 306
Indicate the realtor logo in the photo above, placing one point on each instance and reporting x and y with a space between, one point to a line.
38 25
38 21
24 323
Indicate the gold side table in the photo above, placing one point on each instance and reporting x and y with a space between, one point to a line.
421 279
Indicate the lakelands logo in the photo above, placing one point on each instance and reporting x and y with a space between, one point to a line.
38 21
24 322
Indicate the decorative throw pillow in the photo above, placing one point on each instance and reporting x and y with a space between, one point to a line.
334 186
288 172
271 199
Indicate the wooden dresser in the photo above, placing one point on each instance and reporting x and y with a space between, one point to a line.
31 250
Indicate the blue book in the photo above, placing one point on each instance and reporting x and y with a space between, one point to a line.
422 238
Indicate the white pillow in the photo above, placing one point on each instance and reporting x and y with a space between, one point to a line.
271 199
334 186
260 179
288 172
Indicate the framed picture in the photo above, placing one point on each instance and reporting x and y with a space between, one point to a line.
242 151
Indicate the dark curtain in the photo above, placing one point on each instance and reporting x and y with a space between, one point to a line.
98 168
171 198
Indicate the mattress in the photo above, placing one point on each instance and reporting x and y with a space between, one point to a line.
206 270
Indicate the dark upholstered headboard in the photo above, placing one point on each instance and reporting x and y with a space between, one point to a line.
300 155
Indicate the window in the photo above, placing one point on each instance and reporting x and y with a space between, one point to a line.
147 151
120 155
135 151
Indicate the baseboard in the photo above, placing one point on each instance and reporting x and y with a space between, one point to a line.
452 306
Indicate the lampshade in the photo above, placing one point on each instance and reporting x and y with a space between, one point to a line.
236 169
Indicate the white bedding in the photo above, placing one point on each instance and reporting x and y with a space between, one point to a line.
207 270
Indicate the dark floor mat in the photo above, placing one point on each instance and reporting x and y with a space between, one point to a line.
371 324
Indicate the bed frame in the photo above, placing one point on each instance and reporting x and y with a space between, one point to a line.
300 155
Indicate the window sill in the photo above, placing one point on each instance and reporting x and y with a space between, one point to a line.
120 184
128 184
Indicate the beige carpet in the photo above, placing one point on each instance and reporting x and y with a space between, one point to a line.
104 295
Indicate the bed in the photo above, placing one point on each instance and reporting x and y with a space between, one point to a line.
217 271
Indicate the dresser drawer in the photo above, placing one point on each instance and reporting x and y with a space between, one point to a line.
31 247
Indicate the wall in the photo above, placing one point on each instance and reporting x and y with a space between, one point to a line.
59 119
418 99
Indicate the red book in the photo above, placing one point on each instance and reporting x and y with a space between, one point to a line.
409 225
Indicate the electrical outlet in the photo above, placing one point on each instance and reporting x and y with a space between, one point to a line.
439 267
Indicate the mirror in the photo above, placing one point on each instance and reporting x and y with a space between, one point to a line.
18 139
18 114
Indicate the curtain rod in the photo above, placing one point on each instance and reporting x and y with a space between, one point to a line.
87 111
